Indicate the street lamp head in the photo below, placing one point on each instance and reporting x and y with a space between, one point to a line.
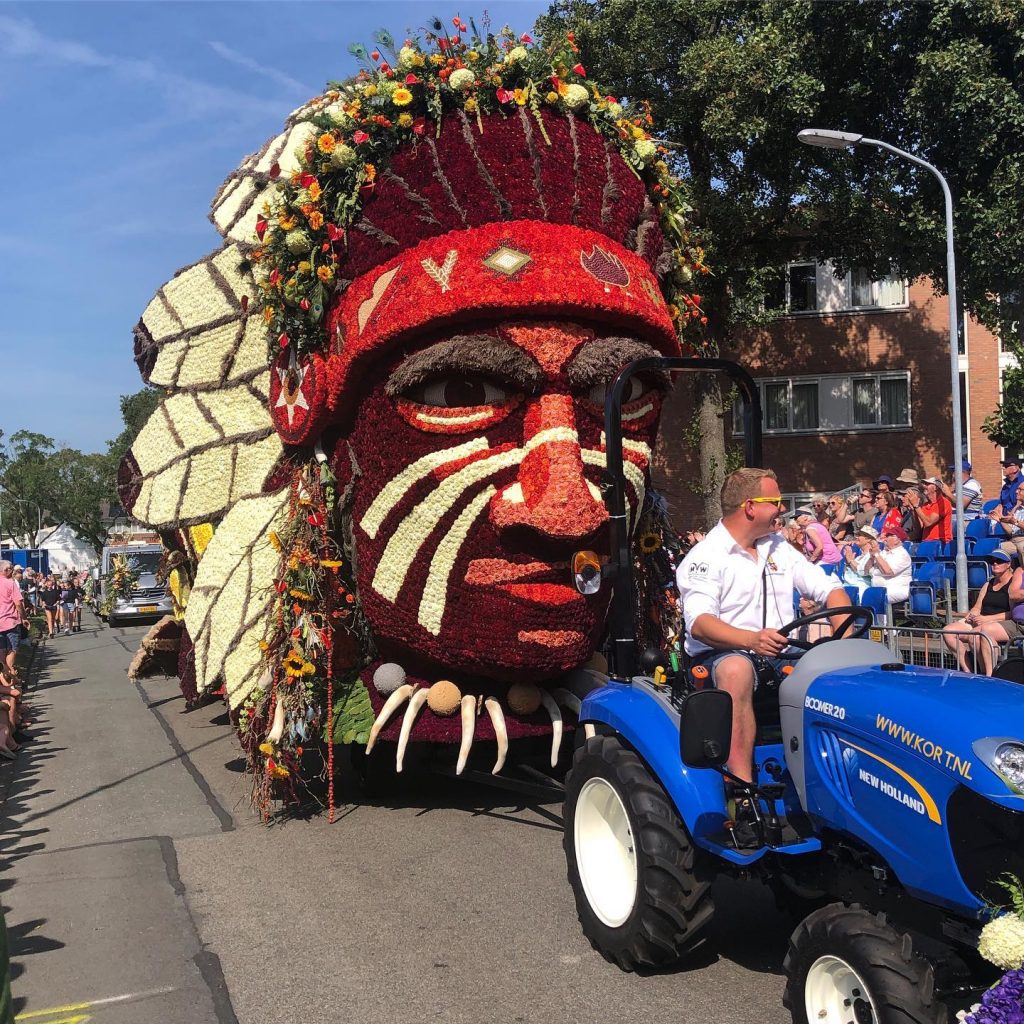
826 139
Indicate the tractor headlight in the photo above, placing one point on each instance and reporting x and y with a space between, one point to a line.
1008 763
1005 756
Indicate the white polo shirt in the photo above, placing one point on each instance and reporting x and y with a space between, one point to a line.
718 577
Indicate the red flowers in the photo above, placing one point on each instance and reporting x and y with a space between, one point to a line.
261 228
580 70
504 96
315 519
334 232
283 340
411 79
359 138
306 179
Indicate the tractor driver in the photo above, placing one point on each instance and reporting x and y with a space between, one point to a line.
737 586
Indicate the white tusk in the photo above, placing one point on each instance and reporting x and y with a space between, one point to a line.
556 724
416 701
500 732
277 726
398 697
589 731
468 729
567 700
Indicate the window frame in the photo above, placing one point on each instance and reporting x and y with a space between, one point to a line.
828 378
848 307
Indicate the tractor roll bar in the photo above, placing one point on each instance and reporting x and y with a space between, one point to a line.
621 620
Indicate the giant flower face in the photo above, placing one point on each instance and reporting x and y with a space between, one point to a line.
481 455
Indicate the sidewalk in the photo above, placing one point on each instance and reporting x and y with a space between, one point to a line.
91 810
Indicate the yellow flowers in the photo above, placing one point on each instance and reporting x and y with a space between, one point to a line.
521 96
326 274
401 97
331 563
277 771
436 59
470 105
405 120
313 191
552 97
301 595
267 749
370 90
316 221
286 220
326 143
275 541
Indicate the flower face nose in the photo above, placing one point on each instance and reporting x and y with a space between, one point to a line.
551 494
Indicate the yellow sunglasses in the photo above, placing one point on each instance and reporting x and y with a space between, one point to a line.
777 502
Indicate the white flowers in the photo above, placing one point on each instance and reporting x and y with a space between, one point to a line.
615 109
406 57
646 150
298 242
337 116
343 156
575 96
516 54
1002 942
462 79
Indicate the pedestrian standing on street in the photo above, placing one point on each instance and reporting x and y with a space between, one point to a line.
67 606
49 599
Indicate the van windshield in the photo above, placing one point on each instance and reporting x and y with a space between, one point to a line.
145 561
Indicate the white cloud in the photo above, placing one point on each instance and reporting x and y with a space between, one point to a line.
234 57
187 97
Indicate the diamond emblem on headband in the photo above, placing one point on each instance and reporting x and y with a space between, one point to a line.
506 260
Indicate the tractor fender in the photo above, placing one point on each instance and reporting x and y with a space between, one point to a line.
643 715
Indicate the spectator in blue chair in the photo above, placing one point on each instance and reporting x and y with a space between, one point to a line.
990 616
855 562
1012 526
936 514
1011 481
819 547
887 512
973 498
889 564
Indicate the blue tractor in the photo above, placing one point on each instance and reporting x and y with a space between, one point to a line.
888 800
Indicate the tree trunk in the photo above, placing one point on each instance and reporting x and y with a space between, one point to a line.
707 393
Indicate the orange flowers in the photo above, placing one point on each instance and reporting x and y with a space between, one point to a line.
326 143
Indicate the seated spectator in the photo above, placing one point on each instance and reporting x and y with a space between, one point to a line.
989 617
883 483
1012 480
1012 526
936 514
973 497
819 546
795 536
856 556
909 522
865 508
819 504
908 478
839 518
889 564
887 512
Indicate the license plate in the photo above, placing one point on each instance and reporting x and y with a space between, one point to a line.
146 609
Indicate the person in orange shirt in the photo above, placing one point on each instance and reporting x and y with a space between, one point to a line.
935 515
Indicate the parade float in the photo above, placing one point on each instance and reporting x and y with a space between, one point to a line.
381 439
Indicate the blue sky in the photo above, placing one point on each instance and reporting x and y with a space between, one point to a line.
120 121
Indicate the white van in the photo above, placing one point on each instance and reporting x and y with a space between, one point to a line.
149 598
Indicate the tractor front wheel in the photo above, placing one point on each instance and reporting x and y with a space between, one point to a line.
848 966
630 860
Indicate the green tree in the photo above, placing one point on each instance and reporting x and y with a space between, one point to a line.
731 83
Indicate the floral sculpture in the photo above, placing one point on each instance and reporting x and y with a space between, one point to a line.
382 437
1002 943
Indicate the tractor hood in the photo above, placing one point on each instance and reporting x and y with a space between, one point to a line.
950 720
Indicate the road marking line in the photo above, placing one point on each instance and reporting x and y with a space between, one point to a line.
92 1004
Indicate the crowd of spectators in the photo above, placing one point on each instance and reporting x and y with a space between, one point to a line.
862 538
59 596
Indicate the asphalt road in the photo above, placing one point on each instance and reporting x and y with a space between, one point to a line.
138 886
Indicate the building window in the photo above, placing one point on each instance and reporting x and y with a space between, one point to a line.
832 403
808 287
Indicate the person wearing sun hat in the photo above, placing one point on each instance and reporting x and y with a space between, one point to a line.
856 556
990 616
889 563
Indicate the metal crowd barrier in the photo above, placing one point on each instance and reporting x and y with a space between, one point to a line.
920 645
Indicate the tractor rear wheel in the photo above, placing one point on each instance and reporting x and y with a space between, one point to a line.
848 966
630 860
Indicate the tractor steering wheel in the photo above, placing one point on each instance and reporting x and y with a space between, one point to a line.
862 617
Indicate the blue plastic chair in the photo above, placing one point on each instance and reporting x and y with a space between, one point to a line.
853 594
921 603
986 546
976 529
927 551
989 505
877 599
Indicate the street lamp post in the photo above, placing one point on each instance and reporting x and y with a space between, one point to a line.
844 140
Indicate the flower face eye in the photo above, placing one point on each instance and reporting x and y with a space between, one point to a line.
459 392
635 390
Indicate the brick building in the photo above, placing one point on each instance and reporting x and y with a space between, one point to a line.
854 377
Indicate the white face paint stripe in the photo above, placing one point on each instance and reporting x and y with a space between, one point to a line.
435 593
396 489
628 444
638 414
416 527
634 475
552 434
472 417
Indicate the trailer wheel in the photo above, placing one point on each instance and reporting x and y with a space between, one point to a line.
847 965
630 860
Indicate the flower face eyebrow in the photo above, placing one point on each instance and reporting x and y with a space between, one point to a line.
601 359
467 353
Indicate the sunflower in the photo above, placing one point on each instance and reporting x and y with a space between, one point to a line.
649 542
401 97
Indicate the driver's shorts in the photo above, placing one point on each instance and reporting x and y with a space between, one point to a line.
702 667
